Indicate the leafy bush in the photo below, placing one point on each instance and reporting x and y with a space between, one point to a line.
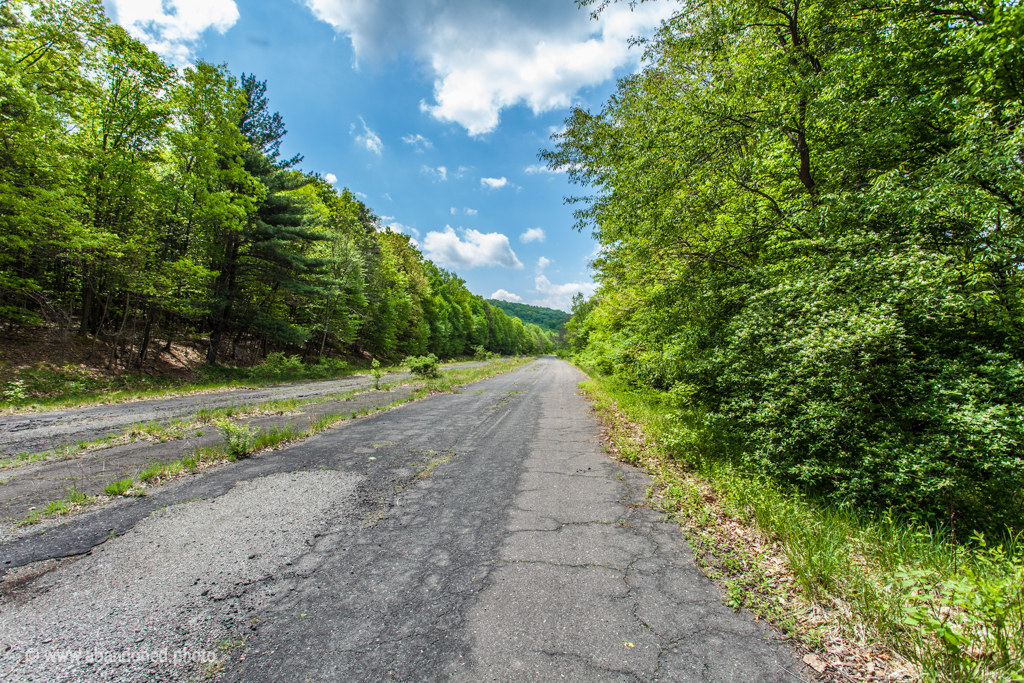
15 391
479 353
326 367
378 373
241 438
423 366
276 366
969 626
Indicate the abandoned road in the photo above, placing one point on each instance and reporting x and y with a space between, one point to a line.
43 431
478 536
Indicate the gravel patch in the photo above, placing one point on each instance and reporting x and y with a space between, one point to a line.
171 597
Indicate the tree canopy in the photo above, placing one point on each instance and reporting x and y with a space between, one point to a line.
812 232
139 202
547 318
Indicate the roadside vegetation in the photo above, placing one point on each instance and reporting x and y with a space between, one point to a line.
148 211
860 588
810 279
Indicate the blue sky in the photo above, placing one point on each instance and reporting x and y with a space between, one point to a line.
432 111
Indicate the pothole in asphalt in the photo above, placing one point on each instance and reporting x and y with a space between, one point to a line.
378 492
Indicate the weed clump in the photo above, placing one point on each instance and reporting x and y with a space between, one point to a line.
378 373
241 438
120 487
423 366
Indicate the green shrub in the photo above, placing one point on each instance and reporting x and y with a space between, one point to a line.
241 438
378 373
15 391
277 366
326 367
423 366
479 353
47 379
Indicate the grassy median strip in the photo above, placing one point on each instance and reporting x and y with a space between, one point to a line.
875 597
180 428
243 440
450 380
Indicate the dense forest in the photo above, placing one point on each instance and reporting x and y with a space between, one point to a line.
137 202
812 232
545 318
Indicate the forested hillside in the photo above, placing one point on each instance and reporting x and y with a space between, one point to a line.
138 202
545 318
812 231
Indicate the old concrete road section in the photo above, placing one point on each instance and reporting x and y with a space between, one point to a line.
481 536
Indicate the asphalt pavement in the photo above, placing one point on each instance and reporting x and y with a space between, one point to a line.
478 536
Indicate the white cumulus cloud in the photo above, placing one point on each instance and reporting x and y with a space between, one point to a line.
470 212
559 296
441 173
503 295
488 55
172 28
398 227
368 139
418 141
331 178
540 168
494 183
533 235
472 249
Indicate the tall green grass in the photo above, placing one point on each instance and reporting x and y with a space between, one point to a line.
955 608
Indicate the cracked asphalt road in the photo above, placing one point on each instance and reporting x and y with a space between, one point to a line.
481 536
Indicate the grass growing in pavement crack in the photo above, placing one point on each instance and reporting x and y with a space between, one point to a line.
421 470
124 487
74 500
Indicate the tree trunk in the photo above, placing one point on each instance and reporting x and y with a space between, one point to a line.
225 311
148 329
327 323
120 331
87 296
103 318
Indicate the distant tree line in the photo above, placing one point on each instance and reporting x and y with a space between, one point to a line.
545 318
813 243
137 202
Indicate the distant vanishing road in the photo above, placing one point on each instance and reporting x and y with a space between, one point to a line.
479 536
